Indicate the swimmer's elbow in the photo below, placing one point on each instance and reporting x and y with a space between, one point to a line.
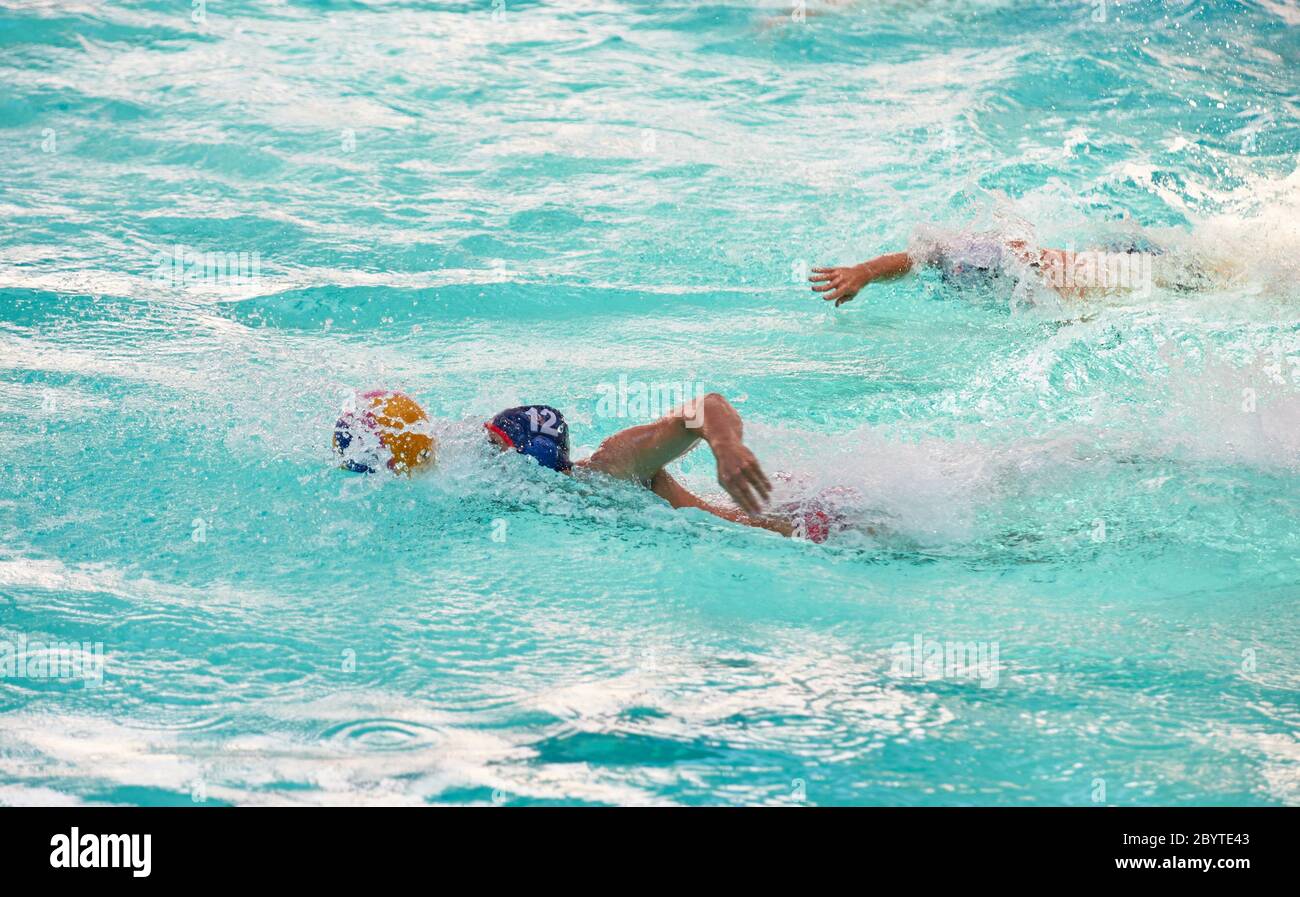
693 415
716 401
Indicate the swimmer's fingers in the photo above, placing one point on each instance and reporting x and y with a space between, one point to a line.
737 487
847 284
739 490
821 274
762 485
739 473
836 284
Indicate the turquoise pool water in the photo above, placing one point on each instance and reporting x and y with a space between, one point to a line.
484 205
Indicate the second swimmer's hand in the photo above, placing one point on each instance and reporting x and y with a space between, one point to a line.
740 474
840 284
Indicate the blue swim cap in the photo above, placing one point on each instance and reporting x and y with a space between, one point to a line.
536 430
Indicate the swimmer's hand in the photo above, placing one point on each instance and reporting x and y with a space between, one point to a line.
740 474
840 284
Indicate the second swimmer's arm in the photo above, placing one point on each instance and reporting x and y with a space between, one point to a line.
842 284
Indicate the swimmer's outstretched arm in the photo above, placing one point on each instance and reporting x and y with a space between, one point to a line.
842 284
677 495
639 453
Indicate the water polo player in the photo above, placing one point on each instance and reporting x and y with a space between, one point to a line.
640 454
982 259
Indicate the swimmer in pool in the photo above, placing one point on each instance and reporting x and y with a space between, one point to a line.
984 258
641 454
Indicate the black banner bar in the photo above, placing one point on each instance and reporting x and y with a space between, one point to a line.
301 845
